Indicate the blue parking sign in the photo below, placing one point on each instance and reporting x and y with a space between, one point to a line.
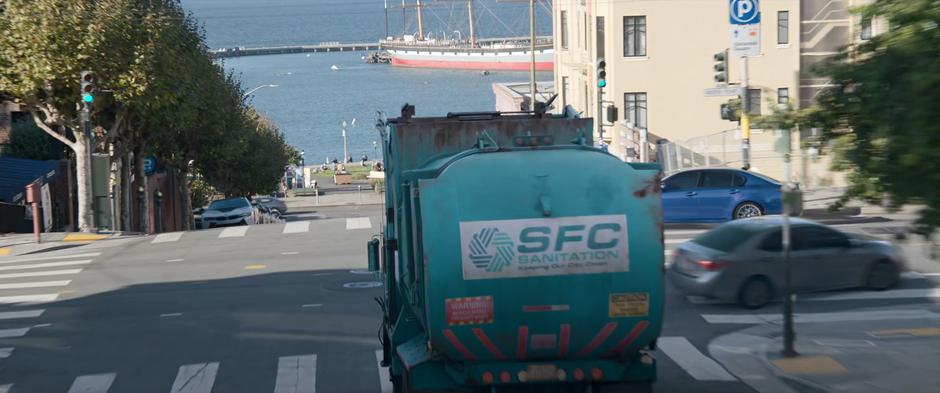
744 12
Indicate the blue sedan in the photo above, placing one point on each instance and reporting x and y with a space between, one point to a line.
719 194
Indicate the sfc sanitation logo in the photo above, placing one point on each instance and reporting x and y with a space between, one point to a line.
544 247
491 250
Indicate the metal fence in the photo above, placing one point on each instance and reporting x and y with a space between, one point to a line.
723 149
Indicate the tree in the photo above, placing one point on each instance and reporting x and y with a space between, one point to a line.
881 113
30 142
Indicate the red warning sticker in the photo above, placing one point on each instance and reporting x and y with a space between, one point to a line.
468 310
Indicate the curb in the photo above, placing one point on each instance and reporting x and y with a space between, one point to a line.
799 384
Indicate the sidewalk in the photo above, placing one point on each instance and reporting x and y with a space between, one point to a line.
898 352
25 243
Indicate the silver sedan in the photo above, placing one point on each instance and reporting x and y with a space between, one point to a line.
742 261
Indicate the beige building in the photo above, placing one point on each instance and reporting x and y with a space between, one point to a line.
659 60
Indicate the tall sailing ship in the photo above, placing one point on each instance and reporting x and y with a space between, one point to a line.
426 51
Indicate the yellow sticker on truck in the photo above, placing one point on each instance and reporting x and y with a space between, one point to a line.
624 305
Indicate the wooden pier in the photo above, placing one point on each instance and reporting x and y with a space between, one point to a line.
278 50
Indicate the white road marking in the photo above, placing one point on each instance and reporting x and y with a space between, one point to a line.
290 253
296 374
28 299
358 223
699 366
6 388
42 325
384 378
172 314
167 237
175 260
820 317
21 314
45 265
74 256
931 274
95 383
18 332
311 305
195 378
42 273
297 227
234 231
890 294
6 352
35 284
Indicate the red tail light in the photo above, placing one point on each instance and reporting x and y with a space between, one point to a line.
488 378
578 374
711 266
597 374
504 377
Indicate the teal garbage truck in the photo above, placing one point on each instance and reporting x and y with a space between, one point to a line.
516 256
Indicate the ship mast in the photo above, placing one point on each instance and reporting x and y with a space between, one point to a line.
532 86
473 37
420 22
386 19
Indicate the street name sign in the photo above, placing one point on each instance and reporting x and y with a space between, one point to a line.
723 91
744 16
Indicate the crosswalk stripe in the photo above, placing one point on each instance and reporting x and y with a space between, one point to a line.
45 265
358 223
195 378
234 232
296 374
21 314
384 378
16 332
40 298
6 352
167 237
46 258
41 273
871 295
297 227
699 366
820 317
95 383
35 284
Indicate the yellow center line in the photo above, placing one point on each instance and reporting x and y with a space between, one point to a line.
255 266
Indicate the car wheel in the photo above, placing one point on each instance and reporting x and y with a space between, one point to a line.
881 276
747 209
755 293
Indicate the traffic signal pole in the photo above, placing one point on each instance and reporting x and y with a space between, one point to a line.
745 118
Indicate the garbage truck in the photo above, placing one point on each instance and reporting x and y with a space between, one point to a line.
516 256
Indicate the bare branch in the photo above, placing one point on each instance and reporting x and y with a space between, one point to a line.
45 127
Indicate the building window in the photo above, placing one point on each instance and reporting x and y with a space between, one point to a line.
783 95
564 30
634 36
865 29
753 101
783 27
600 37
635 109
565 92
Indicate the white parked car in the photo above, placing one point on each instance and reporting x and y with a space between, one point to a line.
231 211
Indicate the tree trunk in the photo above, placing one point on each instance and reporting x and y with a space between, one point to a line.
126 192
82 170
185 198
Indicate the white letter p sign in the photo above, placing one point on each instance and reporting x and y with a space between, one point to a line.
744 7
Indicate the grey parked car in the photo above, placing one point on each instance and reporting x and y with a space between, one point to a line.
272 203
742 261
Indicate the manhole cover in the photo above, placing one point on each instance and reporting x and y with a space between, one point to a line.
362 284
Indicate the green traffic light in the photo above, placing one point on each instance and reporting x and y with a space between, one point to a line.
88 98
602 83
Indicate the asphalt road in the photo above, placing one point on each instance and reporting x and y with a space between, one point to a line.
272 308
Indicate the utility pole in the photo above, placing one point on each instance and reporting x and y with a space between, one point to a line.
789 335
345 146
745 118
532 88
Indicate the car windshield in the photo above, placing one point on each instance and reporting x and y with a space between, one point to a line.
233 203
727 237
